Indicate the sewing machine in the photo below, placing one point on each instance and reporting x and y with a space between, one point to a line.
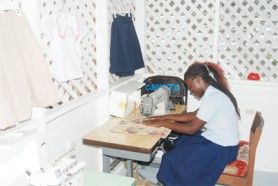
157 103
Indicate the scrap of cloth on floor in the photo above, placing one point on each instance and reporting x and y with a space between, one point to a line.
125 52
25 80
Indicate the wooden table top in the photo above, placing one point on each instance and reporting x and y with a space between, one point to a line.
103 137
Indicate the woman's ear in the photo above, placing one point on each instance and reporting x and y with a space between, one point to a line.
198 79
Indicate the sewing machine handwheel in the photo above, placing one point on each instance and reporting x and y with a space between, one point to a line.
167 145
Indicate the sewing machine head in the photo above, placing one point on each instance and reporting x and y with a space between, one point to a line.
156 103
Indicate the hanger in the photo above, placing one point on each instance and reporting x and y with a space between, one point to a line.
62 7
120 11
6 5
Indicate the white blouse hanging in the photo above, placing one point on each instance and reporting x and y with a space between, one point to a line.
65 32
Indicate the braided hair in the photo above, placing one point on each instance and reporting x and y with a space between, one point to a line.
214 76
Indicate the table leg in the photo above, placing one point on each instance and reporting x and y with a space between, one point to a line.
129 168
106 163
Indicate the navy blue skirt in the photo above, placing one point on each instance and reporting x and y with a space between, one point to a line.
125 51
195 161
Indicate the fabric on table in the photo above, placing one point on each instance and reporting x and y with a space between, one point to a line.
195 161
125 51
24 77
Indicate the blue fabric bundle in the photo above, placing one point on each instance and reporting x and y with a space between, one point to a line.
125 51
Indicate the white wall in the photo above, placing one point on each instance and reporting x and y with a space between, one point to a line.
263 97
65 127
62 131
256 96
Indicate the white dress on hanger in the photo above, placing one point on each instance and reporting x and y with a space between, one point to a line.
65 32
25 80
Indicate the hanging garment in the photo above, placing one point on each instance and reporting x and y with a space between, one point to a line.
65 32
125 51
24 77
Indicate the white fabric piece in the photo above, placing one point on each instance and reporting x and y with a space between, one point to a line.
65 32
218 111
25 80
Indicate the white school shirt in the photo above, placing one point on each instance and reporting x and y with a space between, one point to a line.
217 110
65 32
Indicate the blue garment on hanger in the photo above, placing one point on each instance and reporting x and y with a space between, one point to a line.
125 51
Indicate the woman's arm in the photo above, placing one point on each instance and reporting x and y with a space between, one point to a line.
189 128
185 117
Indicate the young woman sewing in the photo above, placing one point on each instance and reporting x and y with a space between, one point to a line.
210 134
